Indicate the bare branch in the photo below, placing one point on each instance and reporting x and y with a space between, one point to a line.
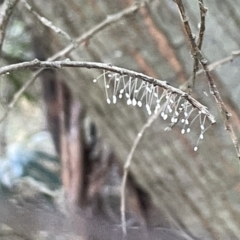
213 88
89 34
122 71
127 165
46 22
203 11
214 65
6 10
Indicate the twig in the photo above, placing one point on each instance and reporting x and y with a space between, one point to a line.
203 11
213 88
46 22
17 95
126 169
6 10
110 19
212 66
103 66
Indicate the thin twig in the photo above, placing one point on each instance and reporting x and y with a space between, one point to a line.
110 19
126 168
213 88
214 65
103 66
203 11
46 22
6 10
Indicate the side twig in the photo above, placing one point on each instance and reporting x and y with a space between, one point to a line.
213 88
214 65
203 11
46 22
126 169
110 19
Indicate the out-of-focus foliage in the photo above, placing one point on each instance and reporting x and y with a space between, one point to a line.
17 44
30 159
